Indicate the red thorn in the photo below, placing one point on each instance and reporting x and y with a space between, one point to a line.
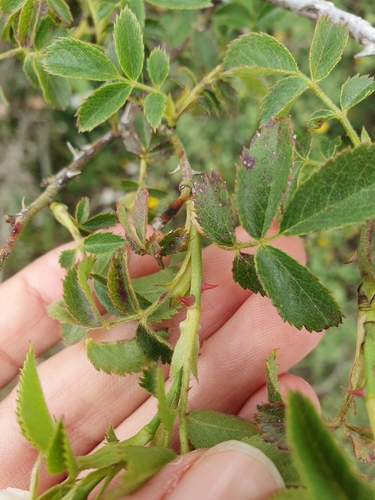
357 392
206 286
188 301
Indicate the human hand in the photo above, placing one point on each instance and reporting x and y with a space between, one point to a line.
238 330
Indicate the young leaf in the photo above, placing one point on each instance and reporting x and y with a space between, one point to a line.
140 214
78 303
327 47
120 357
298 295
154 106
44 32
27 22
57 310
158 67
181 4
102 243
363 442
338 193
325 468
131 237
206 428
153 345
72 334
129 44
32 413
355 90
244 273
173 242
149 379
213 209
11 6
110 435
280 97
187 347
328 147
272 380
262 176
84 269
72 58
270 422
82 211
67 258
227 96
56 90
100 221
259 54
29 70
62 10
60 457
101 105
167 417
101 292
120 290
316 119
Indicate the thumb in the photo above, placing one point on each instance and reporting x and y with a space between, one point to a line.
230 470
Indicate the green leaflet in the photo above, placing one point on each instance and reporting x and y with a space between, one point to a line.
355 90
280 97
338 193
62 10
82 211
316 119
120 289
167 417
60 456
298 295
129 44
244 273
213 208
100 221
102 104
262 176
134 242
181 4
140 214
154 106
258 54
206 428
327 47
72 58
153 345
57 310
11 6
158 66
32 413
56 90
327 472
99 243
28 68
44 32
27 22
120 357
72 334
67 258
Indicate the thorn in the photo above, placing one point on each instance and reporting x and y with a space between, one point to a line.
75 152
124 120
361 393
206 286
353 258
187 301
196 172
25 208
177 169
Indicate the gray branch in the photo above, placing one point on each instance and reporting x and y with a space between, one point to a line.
362 31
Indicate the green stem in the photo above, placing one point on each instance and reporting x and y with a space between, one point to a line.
94 17
35 478
11 53
369 357
142 172
340 115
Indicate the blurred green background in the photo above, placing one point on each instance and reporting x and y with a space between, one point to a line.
33 146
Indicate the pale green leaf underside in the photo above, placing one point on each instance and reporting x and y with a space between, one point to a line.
32 413
280 97
262 176
102 104
355 90
121 357
72 58
181 4
99 243
298 295
327 47
325 468
62 10
129 44
56 90
154 106
158 66
340 192
260 53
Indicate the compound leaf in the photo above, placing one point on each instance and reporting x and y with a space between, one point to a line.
102 104
298 295
280 97
327 47
206 428
129 44
73 58
154 106
327 471
355 90
262 176
338 193
258 53
213 209
120 357
158 66
32 413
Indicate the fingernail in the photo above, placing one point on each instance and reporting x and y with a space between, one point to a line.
230 470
